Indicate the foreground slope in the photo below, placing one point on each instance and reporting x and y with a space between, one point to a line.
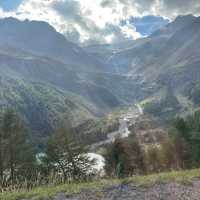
166 186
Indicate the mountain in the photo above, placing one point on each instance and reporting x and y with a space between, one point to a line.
45 76
33 69
41 39
161 47
61 64
42 106
177 24
167 60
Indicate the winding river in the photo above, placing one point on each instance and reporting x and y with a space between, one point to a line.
132 114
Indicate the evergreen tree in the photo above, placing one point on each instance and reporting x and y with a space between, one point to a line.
19 154
67 155
125 158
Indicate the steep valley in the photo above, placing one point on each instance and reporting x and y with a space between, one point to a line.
47 80
107 121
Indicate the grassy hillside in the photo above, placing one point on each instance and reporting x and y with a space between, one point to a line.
42 193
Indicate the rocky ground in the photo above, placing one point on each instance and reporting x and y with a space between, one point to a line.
159 191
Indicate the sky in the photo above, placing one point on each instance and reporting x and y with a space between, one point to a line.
100 21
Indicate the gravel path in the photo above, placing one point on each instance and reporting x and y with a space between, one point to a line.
168 191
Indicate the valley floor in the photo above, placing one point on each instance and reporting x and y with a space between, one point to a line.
166 186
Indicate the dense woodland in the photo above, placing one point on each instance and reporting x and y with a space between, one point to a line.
21 165
64 157
179 149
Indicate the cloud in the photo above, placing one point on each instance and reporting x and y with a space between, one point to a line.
72 13
107 3
99 21
85 21
167 8
176 7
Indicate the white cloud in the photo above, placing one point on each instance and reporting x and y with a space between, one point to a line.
167 8
98 20
84 20
130 32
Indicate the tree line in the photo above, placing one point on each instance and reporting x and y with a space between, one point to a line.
63 159
179 149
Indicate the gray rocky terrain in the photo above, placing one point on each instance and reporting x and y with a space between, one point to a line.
159 191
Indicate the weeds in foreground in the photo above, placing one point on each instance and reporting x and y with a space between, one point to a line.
183 177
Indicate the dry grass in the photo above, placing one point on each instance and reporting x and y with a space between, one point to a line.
50 191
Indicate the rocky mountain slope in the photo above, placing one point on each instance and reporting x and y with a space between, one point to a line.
165 64
45 77
42 39
158 71
153 56
33 55
164 191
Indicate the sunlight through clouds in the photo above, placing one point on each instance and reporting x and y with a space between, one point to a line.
98 21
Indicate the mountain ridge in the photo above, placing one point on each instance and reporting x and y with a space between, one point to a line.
104 77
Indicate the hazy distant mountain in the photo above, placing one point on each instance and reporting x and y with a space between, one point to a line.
174 26
170 57
30 68
172 45
42 39
45 76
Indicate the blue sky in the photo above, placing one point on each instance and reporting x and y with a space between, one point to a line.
146 25
9 5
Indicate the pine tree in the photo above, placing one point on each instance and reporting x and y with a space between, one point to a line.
125 158
67 155
19 154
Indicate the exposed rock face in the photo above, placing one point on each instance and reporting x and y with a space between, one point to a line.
164 191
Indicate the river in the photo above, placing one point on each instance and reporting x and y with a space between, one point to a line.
122 132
